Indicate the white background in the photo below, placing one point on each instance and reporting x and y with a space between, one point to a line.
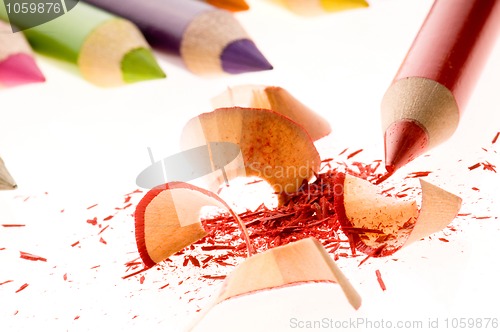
71 145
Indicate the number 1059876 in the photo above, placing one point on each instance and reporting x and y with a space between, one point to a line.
34 8
468 323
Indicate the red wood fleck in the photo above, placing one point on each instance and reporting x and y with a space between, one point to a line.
214 277
108 218
31 257
474 166
495 138
5 282
443 239
141 280
102 241
75 244
380 281
487 166
418 174
22 288
13 225
102 230
354 153
93 222
92 206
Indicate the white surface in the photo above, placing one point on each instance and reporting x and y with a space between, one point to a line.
70 145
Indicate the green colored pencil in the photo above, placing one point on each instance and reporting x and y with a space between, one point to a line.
108 50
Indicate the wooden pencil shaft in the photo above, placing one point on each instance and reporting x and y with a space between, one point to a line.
453 44
11 43
163 22
63 37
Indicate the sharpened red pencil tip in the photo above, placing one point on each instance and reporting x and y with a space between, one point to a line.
404 141
20 69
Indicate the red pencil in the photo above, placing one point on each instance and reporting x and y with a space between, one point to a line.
422 107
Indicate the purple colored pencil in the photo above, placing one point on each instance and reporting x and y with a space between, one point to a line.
209 40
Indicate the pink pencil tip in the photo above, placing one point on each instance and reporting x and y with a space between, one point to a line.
19 69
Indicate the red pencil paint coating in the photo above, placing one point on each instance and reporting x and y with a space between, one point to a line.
453 45
451 48
380 281
19 69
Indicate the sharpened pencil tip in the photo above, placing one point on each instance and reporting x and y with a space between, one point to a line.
404 141
231 5
19 69
243 56
335 5
140 65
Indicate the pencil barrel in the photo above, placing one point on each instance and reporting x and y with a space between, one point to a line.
453 44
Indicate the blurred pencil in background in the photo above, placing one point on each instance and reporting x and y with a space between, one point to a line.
17 65
317 7
209 40
231 5
6 180
108 50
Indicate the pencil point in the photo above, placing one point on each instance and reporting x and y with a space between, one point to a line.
404 141
6 180
231 5
140 65
243 56
333 5
20 69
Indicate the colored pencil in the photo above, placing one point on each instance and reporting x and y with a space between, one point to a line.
17 65
6 180
231 5
108 50
210 40
422 107
316 7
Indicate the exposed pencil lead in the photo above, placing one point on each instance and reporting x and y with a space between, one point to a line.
243 56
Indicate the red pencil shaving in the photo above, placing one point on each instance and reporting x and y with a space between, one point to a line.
31 257
380 281
354 153
22 288
495 138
